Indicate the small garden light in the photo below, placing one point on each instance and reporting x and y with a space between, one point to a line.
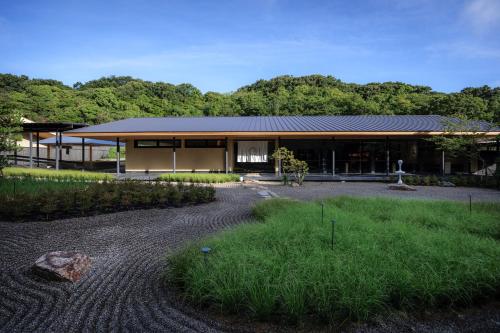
333 231
470 203
205 251
322 211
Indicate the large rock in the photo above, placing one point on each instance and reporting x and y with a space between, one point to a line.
62 265
401 187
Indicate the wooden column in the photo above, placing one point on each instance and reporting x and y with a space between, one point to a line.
174 158
57 151
117 157
38 149
279 160
333 156
443 163
387 156
226 158
31 150
83 154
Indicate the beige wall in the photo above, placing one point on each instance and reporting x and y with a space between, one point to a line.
187 159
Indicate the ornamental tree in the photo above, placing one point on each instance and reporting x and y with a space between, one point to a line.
293 168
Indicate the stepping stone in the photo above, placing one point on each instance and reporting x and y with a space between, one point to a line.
62 266
401 187
264 194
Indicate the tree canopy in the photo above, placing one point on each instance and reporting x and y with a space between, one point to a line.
119 97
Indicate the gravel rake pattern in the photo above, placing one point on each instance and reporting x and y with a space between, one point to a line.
124 290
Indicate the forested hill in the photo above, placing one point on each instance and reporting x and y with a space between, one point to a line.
113 98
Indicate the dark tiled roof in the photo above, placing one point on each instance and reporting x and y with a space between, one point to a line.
418 123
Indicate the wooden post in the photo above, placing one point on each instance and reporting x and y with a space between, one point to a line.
442 163
333 156
174 158
226 158
387 157
31 150
83 154
117 157
38 149
57 151
279 160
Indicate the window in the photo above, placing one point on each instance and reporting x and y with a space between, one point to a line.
157 143
205 143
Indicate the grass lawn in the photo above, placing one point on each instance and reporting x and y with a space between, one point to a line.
200 177
388 254
12 186
56 174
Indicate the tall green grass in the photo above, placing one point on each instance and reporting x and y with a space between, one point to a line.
29 199
48 174
13 186
388 254
200 177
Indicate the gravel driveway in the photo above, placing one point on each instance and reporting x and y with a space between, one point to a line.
124 290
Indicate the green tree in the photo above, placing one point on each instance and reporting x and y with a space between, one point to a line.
292 167
10 127
462 138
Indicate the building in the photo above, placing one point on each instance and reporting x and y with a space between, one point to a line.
72 149
329 144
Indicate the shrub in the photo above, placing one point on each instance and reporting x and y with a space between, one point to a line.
200 177
88 198
48 174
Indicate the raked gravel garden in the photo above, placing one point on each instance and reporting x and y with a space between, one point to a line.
131 286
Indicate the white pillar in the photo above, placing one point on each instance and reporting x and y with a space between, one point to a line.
31 150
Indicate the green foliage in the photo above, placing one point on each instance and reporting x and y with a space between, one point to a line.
68 175
467 143
33 199
293 168
119 97
200 177
388 254
112 153
457 180
10 126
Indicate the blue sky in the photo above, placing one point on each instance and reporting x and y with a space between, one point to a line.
222 45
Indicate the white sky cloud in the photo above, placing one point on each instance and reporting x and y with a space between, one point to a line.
483 15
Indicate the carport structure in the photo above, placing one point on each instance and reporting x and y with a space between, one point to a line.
55 128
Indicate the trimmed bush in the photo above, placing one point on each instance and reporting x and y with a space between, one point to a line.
200 177
458 180
68 175
388 254
44 200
